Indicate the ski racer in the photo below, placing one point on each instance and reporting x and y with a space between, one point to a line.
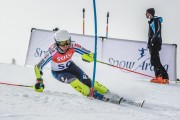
65 70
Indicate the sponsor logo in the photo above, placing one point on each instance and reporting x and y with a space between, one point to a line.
77 45
134 65
141 64
142 53
39 52
64 57
46 56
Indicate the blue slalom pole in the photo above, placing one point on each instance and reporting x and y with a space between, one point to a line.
95 48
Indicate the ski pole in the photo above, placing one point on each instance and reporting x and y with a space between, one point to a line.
16 84
125 69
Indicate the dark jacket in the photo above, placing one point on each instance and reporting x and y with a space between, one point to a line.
155 32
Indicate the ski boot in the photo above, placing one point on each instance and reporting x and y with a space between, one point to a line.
160 80
111 97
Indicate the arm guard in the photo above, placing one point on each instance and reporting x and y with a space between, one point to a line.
37 72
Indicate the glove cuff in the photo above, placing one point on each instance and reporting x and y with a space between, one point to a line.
39 80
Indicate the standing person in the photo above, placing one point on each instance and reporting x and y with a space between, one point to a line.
65 70
154 46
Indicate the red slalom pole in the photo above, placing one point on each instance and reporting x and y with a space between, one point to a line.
15 84
126 69
107 24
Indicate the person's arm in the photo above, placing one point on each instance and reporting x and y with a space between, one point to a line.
79 49
156 30
38 68
39 86
86 54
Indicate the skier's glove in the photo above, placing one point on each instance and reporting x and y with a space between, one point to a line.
39 86
88 57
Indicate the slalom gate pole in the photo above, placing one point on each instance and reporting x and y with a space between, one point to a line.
95 49
16 84
107 24
83 21
125 69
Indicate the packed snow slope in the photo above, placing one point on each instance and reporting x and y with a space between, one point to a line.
61 102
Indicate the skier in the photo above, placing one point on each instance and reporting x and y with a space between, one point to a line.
154 46
65 70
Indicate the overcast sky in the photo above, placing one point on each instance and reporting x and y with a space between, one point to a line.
127 20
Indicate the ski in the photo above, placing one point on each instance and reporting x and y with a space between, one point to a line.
116 99
131 102
126 101
119 100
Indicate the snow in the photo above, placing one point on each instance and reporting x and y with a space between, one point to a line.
60 102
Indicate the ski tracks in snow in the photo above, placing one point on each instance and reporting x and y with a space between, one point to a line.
19 103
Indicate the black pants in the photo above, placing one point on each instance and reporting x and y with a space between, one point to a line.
155 61
71 73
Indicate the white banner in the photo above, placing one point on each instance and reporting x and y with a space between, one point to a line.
130 55
41 40
39 43
134 56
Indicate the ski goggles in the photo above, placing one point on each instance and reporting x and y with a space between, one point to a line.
63 43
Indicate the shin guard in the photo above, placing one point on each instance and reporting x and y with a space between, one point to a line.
80 87
100 88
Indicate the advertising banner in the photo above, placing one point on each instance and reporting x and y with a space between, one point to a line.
132 56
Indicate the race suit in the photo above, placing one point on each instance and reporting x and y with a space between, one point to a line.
62 66
66 71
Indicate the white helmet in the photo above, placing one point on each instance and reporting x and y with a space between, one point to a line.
62 35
